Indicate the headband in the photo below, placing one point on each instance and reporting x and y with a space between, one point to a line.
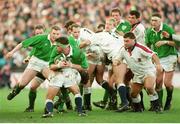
62 45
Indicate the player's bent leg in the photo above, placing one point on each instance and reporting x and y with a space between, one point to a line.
26 77
47 73
66 98
86 88
169 89
87 98
103 103
78 99
52 91
99 78
159 89
119 72
59 104
127 80
149 85
35 83
136 89
124 102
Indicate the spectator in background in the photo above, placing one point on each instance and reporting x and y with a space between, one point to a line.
5 72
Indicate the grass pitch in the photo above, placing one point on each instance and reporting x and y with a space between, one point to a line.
12 111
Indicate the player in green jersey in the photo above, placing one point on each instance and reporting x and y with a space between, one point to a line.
122 26
43 45
66 62
166 51
35 83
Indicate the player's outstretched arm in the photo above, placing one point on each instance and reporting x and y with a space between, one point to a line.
10 54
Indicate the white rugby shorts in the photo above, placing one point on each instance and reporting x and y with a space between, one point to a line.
169 63
37 64
67 78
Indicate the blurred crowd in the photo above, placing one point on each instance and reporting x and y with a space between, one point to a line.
18 17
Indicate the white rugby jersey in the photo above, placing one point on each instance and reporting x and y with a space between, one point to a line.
139 58
85 34
109 43
139 32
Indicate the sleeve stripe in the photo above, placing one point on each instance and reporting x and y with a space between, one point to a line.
143 48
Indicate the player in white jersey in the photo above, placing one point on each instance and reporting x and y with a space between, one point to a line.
137 27
96 41
121 27
139 32
108 40
96 68
139 58
111 44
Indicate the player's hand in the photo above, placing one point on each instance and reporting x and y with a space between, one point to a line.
68 64
8 55
91 55
88 42
160 43
59 49
62 64
26 60
85 43
165 34
159 68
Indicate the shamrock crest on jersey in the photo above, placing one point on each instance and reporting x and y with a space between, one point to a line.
61 57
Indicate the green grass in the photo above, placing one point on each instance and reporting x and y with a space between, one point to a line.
12 111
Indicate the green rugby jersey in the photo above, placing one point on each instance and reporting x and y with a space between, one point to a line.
78 57
152 37
73 42
41 44
32 52
124 27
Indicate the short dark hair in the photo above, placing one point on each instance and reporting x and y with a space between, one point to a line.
135 12
129 35
101 25
157 15
63 40
115 10
68 24
55 27
39 26
74 26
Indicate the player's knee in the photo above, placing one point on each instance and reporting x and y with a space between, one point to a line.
50 95
84 77
75 91
168 85
150 90
33 89
134 94
21 86
77 95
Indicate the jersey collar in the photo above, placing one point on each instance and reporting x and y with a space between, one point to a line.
71 52
160 29
122 21
50 40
